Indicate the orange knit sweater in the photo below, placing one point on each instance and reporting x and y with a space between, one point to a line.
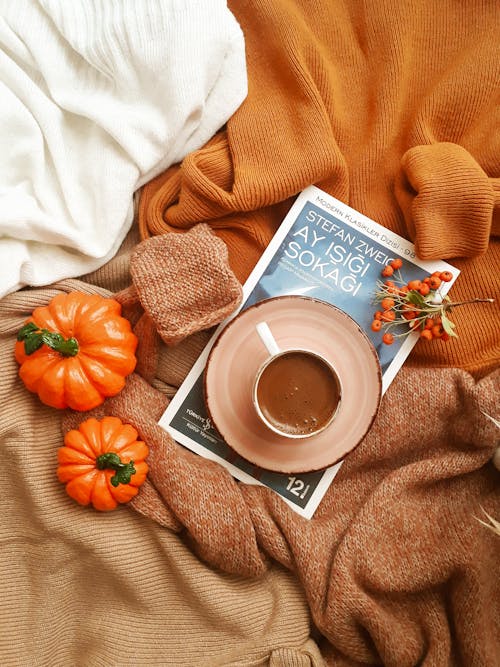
393 109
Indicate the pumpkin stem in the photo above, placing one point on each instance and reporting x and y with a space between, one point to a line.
123 471
34 338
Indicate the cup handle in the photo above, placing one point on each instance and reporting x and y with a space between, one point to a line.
267 338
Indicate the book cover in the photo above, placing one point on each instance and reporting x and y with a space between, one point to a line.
326 250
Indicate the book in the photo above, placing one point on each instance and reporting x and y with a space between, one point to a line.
326 250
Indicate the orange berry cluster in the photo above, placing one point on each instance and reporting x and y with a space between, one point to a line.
410 303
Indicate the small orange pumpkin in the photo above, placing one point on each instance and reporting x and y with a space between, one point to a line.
76 351
102 463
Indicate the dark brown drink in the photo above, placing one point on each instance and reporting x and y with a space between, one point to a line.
298 393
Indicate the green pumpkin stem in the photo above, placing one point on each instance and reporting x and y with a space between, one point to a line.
34 338
123 471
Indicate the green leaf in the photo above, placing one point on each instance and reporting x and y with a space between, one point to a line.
51 339
123 474
33 343
416 298
123 471
66 347
26 330
448 325
108 460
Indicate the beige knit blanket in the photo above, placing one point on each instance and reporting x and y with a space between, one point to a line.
80 588
393 569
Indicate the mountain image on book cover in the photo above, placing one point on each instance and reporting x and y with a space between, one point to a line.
325 250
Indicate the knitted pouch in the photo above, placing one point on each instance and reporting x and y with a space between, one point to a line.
184 282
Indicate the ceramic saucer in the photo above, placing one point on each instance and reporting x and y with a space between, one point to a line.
296 322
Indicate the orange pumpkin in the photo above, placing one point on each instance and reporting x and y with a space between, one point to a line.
76 351
102 463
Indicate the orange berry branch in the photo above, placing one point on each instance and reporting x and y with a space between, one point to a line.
417 303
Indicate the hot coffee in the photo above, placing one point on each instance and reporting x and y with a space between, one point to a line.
298 393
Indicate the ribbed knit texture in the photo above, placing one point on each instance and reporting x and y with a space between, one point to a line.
85 589
99 96
393 109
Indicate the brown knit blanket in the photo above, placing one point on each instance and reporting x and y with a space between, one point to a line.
395 567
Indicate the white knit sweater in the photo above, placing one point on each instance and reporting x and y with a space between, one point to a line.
96 98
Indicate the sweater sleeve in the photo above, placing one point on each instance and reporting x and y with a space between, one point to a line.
450 205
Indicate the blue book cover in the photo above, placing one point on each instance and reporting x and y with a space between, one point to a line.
326 250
